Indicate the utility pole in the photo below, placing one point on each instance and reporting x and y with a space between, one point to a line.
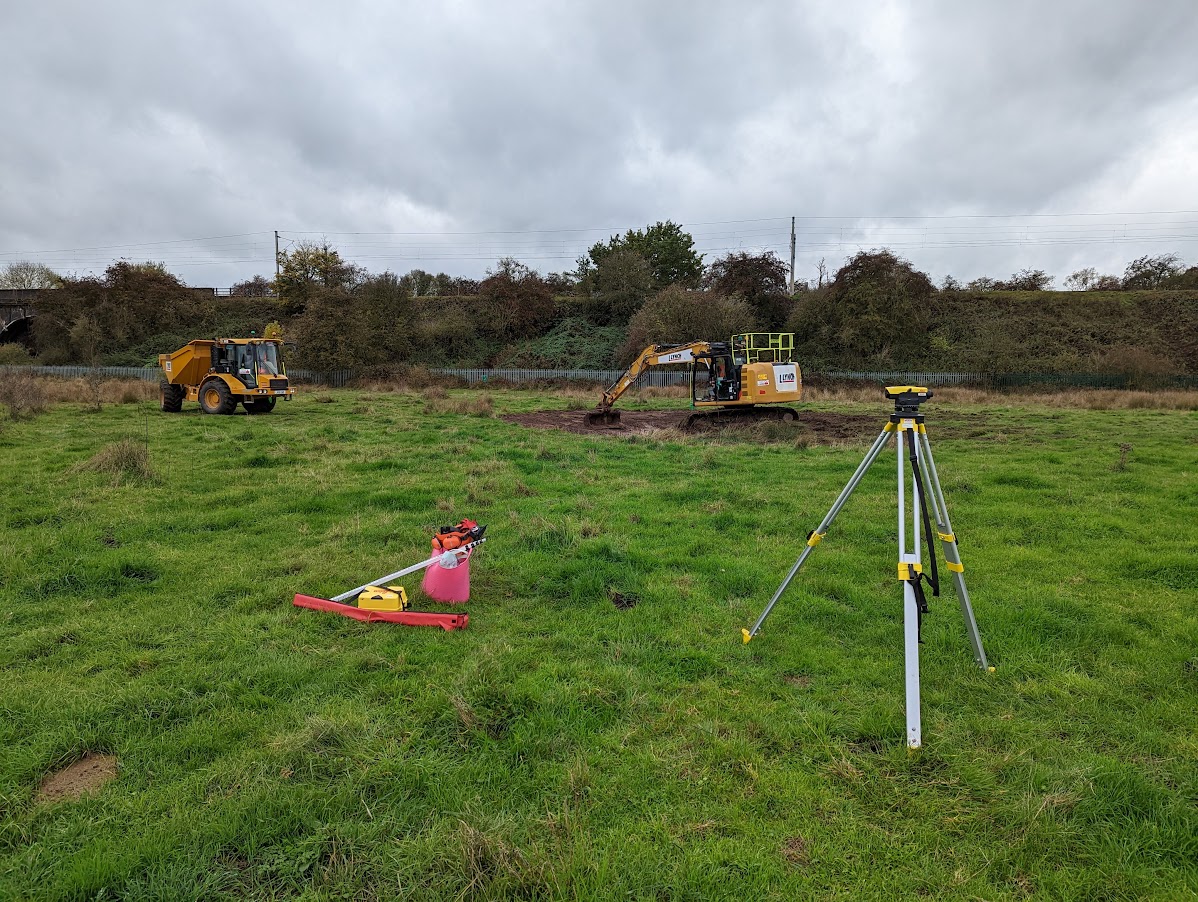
277 259
792 254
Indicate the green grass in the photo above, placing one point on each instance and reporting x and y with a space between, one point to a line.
560 747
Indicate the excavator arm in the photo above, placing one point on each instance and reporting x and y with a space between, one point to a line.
654 355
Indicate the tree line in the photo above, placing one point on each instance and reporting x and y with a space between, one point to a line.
645 286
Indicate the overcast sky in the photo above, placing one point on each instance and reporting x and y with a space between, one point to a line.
459 132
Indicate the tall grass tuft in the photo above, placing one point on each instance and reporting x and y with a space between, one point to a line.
126 461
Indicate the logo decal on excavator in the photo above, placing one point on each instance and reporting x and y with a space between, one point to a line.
786 377
677 357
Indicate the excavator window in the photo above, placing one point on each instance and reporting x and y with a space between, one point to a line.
722 382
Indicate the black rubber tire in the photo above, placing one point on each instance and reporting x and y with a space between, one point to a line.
171 397
215 397
259 405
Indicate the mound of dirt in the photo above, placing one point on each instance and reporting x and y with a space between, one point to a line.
817 426
82 778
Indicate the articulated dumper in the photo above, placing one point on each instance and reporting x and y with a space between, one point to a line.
222 372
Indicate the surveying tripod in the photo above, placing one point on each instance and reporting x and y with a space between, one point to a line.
907 423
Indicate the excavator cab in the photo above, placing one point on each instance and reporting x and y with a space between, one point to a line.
715 376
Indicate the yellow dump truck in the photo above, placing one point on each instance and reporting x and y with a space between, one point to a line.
222 372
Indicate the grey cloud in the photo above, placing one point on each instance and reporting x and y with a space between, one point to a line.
142 122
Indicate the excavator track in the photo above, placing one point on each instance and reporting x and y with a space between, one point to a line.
729 416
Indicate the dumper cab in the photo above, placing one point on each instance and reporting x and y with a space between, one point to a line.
221 373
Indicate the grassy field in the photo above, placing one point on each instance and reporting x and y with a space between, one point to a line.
562 747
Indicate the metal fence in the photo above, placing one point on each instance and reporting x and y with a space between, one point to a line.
150 374
473 376
335 379
480 376
1006 380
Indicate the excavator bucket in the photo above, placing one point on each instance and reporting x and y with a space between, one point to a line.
602 416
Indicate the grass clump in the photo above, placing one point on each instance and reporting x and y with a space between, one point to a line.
125 461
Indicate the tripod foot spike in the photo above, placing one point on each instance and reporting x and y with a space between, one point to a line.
748 637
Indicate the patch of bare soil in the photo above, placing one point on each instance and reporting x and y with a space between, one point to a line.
819 426
82 778
839 427
622 600
813 427
631 422
794 850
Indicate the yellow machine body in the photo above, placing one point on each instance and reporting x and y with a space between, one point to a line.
383 598
223 372
760 383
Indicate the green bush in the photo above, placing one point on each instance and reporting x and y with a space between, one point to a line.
572 344
14 355
678 315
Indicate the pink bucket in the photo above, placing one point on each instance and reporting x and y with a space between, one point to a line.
448 584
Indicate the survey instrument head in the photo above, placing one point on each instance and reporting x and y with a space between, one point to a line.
907 398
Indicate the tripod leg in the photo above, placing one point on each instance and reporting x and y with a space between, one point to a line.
911 663
952 554
911 613
822 529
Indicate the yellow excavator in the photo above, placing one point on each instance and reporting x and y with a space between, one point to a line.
746 377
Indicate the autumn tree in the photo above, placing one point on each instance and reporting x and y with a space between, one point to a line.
26 274
386 309
92 317
1187 279
761 279
1146 273
676 315
257 287
618 287
519 303
1026 280
332 332
309 265
669 251
1082 279
877 313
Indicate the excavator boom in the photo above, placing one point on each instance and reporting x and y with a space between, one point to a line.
654 355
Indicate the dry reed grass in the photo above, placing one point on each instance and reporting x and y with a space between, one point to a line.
92 392
480 406
24 395
1072 398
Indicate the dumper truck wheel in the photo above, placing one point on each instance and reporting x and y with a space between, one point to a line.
215 397
172 397
259 405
